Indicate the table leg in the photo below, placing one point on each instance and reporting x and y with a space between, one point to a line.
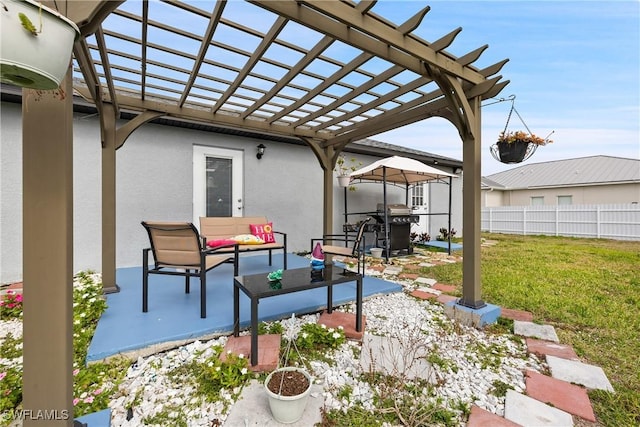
359 304
236 310
254 331
329 299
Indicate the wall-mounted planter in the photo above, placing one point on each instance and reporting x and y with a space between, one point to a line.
36 59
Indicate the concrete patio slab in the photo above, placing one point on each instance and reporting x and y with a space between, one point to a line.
575 372
391 356
252 408
527 411
529 329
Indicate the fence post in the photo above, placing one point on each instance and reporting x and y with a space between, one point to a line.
598 221
557 220
524 221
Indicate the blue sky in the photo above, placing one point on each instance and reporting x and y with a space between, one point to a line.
574 68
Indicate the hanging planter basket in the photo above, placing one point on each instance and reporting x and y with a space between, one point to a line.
513 152
36 44
518 146
344 180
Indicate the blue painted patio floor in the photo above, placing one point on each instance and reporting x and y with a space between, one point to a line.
174 315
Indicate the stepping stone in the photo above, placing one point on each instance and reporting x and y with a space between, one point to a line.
560 394
268 350
412 267
426 281
392 357
527 411
444 288
430 290
252 408
546 348
529 329
571 371
446 298
481 418
509 313
420 294
346 320
410 276
426 264
393 271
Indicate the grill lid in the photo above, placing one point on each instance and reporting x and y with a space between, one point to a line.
395 209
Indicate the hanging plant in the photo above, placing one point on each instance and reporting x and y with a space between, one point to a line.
515 147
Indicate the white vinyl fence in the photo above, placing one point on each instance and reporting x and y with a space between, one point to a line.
620 222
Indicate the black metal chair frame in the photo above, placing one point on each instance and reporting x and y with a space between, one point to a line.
198 270
358 244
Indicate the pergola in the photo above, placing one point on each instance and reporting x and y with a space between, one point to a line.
324 72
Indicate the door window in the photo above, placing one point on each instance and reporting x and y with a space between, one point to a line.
217 182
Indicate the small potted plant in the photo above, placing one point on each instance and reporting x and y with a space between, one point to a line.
36 44
344 169
288 387
514 147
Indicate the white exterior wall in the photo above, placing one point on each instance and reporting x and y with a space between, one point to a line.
155 182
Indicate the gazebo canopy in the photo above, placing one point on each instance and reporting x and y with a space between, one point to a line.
399 170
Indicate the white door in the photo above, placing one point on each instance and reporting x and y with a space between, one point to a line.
419 207
217 182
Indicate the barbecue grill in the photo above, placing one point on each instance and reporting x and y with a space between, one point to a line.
398 218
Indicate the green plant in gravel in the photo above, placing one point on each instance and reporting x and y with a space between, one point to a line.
500 388
587 289
214 375
170 415
11 305
10 389
93 385
313 341
265 328
11 348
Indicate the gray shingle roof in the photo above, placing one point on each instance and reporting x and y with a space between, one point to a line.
570 172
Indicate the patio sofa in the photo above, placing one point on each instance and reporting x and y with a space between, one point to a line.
221 230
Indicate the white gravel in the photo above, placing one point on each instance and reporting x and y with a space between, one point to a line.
467 374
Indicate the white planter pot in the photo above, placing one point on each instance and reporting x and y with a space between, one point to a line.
34 61
376 252
287 409
343 181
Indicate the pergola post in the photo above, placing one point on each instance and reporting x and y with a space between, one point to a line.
471 222
47 162
109 145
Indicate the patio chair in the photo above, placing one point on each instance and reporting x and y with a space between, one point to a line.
179 250
354 246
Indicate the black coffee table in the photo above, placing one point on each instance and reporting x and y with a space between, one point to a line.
257 286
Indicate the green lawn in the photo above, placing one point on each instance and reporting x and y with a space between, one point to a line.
588 289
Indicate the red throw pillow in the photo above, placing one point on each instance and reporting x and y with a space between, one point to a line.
221 242
263 231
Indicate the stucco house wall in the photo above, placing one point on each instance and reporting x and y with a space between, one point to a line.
154 179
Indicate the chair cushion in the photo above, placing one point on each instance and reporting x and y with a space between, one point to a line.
220 242
248 239
263 231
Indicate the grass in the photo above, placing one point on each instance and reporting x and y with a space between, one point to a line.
588 289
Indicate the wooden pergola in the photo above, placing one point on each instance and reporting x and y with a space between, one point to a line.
324 72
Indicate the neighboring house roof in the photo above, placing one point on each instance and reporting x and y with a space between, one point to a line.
593 170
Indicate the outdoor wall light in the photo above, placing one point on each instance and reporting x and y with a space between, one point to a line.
260 153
